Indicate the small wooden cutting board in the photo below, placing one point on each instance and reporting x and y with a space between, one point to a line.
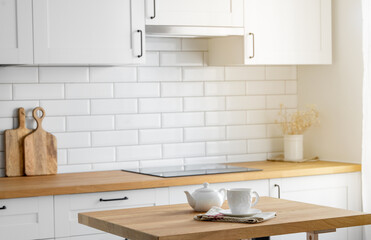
40 149
14 154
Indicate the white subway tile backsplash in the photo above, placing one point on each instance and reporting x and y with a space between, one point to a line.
65 107
245 103
6 91
182 119
138 121
226 147
91 155
133 90
156 105
156 74
205 160
291 87
5 123
247 157
195 44
204 103
289 101
184 150
91 90
265 145
225 118
203 74
246 132
73 140
54 124
244 73
181 89
281 72
90 123
113 74
114 106
163 44
265 87
201 134
141 152
10 108
225 88
19 75
114 138
172 110
181 59
63 74
171 135
38 91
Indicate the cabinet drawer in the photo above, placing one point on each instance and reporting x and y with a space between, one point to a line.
27 218
67 208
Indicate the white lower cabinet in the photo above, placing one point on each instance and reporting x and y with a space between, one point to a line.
103 236
67 208
26 218
177 195
335 190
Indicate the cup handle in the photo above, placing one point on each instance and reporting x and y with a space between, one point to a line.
256 199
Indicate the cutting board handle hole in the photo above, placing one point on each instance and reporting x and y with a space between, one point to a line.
38 114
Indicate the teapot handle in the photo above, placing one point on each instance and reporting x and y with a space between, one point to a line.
224 191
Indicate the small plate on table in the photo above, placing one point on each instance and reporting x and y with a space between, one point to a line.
252 212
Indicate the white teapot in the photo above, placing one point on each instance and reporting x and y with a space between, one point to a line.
204 198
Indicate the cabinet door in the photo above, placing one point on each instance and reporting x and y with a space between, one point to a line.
177 195
67 207
16 32
223 13
288 32
103 236
27 218
335 190
89 31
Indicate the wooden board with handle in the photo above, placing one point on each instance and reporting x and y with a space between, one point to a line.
40 149
14 153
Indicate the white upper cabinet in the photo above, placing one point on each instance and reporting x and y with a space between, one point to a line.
213 13
279 32
16 32
89 31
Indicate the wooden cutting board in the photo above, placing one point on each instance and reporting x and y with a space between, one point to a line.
14 154
40 149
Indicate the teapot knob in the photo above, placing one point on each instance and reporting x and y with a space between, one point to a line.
206 185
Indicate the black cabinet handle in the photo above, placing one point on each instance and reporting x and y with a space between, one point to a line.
253 45
154 9
279 190
113 199
141 43
3 207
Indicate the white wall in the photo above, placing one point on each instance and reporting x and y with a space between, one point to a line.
175 110
337 90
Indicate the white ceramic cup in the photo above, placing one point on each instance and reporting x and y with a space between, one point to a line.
240 200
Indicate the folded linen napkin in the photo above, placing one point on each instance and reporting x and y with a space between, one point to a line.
215 215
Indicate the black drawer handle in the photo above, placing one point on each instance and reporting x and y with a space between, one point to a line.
141 43
113 199
3 207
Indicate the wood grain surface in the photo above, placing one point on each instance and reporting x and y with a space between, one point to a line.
175 222
40 149
14 148
69 183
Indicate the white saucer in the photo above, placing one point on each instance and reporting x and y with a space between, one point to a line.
251 212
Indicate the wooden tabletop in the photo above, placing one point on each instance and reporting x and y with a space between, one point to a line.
69 183
175 222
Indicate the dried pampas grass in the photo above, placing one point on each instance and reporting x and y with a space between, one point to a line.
296 123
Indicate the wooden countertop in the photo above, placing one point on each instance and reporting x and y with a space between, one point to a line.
69 183
175 222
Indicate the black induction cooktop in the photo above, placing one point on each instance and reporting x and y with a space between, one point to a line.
191 170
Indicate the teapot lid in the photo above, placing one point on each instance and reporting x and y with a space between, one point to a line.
205 188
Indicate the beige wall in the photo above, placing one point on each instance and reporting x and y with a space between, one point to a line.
337 90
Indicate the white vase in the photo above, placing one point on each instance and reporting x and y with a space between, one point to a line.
293 148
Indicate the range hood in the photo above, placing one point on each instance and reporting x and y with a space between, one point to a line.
185 31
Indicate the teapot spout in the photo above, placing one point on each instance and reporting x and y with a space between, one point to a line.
190 199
